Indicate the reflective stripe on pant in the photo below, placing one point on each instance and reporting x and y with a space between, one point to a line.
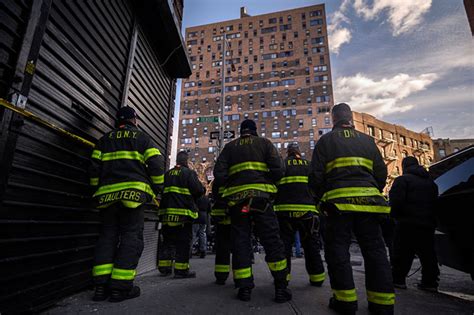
310 242
267 230
175 246
222 260
113 263
366 228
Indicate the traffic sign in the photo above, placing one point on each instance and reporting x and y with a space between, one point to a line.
208 119
228 134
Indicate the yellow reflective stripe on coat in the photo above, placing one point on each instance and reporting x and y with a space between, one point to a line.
362 208
130 204
381 298
345 295
178 211
158 179
176 189
351 192
293 179
225 221
123 274
125 185
242 273
94 181
294 207
317 277
150 152
269 188
248 166
122 155
96 154
165 263
181 266
278 265
222 268
218 212
100 270
349 161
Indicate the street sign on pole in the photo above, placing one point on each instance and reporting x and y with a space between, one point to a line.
213 119
228 134
215 135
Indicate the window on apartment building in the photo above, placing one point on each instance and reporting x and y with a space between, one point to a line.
371 130
276 134
327 121
287 124
295 34
255 33
272 21
289 18
403 140
300 123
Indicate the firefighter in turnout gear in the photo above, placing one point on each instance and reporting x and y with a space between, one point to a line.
348 176
126 171
248 168
177 212
296 211
221 219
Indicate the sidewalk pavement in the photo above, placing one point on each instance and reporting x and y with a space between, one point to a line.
202 296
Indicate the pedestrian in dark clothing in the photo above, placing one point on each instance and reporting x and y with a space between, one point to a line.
413 199
126 172
348 176
200 225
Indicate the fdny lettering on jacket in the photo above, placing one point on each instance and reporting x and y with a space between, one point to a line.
297 162
123 134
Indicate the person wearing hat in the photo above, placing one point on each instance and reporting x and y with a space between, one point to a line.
413 199
126 171
248 169
348 176
296 211
178 210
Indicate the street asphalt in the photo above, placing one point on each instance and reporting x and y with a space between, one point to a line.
165 295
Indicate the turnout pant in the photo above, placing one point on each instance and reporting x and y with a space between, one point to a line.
411 240
267 230
222 262
378 278
177 239
309 235
119 247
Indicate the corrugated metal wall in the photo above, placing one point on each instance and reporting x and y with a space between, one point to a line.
13 18
47 228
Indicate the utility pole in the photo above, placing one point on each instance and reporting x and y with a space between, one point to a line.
221 121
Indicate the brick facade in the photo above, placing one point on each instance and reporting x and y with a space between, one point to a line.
282 79
395 142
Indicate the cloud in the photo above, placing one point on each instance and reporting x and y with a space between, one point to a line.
403 15
339 34
382 97
339 37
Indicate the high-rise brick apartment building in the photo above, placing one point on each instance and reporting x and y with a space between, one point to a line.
277 73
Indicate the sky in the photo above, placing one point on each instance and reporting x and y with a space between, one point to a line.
407 62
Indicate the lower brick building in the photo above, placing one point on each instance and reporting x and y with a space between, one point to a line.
445 147
395 142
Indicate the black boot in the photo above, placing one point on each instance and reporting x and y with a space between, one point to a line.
184 275
316 283
101 293
244 294
340 308
220 281
282 295
377 309
121 295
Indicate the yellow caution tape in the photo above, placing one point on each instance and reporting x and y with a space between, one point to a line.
43 122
